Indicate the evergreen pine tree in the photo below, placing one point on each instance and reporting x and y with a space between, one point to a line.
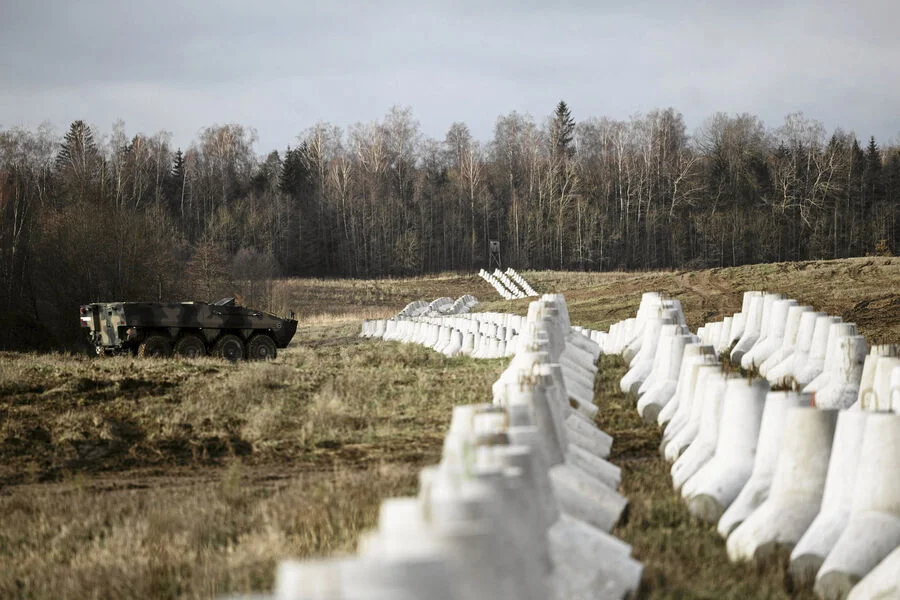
79 162
891 187
77 146
871 177
562 131
174 184
295 175
178 165
873 156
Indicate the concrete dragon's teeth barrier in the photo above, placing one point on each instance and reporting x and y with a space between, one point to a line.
451 329
837 498
814 472
771 433
522 502
526 287
510 285
798 483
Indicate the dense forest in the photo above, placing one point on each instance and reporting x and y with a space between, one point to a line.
89 216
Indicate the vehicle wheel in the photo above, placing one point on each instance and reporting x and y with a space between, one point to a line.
155 345
190 346
230 347
261 347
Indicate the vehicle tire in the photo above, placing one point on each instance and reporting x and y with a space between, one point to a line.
190 346
261 347
230 347
155 345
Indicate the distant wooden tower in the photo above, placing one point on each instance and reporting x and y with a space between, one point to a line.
494 246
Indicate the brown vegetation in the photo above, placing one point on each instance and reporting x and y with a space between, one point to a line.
173 478
86 217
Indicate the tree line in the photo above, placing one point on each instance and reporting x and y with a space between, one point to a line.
121 216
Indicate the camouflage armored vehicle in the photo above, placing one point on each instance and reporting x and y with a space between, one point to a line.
188 329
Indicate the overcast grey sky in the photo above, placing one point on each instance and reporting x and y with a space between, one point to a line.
280 66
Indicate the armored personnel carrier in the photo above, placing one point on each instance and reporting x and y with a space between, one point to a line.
188 329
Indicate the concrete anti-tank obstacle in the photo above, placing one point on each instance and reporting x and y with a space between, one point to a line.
753 313
574 370
873 530
685 396
385 579
535 397
776 323
579 575
521 489
405 534
804 349
810 368
624 334
443 339
529 291
586 435
768 300
710 382
468 517
309 580
481 527
495 283
467 540
437 305
797 487
532 367
737 330
530 437
842 388
739 321
723 342
882 582
455 345
771 433
692 350
715 486
784 371
576 570
585 498
878 396
642 363
508 284
895 389
598 468
868 374
659 367
651 303
516 513
703 447
788 341
837 499
663 390
832 356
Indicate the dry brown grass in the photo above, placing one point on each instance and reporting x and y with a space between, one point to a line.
167 478
333 301
862 290
171 478
193 537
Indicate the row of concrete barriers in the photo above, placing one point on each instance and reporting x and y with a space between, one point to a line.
479 335
510 285
813 469
521 504
438 307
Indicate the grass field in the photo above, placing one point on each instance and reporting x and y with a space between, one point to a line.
168 478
